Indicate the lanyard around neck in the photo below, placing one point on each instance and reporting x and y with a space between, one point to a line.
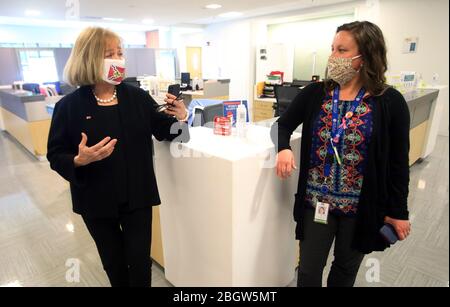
338 129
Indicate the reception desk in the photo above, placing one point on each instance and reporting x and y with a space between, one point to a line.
422 105
226 219
424 113
26 119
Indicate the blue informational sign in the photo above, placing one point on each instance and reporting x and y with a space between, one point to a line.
230 107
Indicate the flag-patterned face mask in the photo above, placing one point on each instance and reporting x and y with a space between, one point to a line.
114 71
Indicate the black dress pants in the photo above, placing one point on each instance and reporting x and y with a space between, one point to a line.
315 248
123 244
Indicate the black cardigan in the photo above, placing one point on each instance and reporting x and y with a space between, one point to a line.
386 179
93 189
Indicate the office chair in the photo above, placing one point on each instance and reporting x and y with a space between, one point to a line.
284 96
205 117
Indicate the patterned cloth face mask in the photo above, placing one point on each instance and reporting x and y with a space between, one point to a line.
114 71
341 70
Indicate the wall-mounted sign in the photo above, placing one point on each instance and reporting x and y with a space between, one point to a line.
410 45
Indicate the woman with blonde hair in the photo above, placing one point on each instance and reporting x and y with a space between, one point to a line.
101 142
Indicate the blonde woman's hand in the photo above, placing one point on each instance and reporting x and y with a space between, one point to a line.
285 164
175 107
99 151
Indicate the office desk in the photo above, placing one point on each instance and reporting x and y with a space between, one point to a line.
263 108
226 219
424 108
26 119
422 105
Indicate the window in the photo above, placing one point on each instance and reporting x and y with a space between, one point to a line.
38 65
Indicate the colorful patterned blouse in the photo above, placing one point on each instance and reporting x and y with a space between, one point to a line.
345 181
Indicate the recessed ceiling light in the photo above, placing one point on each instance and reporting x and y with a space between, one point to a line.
32 13
231 14
213 6
148 21
112 19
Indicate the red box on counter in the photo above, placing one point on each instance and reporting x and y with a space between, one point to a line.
222 125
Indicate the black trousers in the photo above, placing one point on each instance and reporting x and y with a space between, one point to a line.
315 248
123 244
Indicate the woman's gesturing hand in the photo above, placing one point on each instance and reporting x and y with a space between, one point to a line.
99 151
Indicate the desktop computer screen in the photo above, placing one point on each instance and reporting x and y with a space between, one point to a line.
185 78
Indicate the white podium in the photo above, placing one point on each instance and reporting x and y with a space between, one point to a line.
226 219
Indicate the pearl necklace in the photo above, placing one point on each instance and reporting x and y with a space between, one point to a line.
114 96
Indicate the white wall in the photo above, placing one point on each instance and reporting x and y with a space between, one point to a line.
180 40
229 55
429 21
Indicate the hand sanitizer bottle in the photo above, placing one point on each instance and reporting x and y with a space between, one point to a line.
241 119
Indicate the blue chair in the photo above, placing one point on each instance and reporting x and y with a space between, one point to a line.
32 87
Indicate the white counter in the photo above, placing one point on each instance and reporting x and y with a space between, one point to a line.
434 123
226 219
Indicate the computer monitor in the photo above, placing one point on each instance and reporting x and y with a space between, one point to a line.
185 78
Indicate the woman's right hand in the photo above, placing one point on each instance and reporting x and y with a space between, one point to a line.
285 163
99 151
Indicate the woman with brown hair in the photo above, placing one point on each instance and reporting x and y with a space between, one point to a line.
354 158
101 142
